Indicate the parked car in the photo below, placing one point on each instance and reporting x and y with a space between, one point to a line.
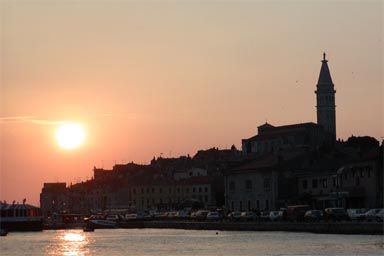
182 215
248 216
313 216
380 216
172 215
214 216
131 216
296 212
264 216
234 216
201 214
370 215
274 215
356 214
114 217
335 214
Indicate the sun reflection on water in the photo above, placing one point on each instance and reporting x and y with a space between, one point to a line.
70 243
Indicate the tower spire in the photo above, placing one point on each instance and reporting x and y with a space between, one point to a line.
325 95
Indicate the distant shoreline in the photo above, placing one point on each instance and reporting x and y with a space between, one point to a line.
351 228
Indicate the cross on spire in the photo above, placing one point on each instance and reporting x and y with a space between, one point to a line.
324 56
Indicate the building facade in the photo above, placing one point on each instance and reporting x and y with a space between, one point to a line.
54 198
252 186
279 139
354 185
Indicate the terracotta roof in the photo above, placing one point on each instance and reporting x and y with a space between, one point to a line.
258 164
278 130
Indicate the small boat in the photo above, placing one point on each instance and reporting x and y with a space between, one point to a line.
100 221
3 232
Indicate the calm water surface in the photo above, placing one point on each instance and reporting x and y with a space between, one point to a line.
186 242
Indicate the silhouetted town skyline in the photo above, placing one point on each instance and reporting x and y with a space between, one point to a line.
280 165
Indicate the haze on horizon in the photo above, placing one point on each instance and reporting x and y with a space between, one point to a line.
150 77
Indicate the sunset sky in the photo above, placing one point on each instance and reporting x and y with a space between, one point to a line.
172 77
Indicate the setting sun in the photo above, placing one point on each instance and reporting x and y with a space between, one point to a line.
70 135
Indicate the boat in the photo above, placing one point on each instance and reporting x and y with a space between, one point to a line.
20 217
100 221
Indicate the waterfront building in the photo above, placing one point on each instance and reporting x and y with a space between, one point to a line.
252 186
357 184
168 194
53 198
189 173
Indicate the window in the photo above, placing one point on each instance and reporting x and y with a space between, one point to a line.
232 186
233 206
314 183
361 173
258 204
325 183
199 189
249 205
267 204
241 205
369 172
206 189
267 184
248 185
194 189
305 184
334 181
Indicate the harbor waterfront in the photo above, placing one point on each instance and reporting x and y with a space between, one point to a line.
361 228
186 242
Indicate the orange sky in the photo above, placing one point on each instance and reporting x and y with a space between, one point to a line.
151 77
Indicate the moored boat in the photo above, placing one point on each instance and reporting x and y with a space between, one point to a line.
100 221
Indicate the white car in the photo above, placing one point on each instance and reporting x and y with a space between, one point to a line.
213 216
356 214
274 215
371 214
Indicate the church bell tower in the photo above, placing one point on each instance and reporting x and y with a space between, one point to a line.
325 97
